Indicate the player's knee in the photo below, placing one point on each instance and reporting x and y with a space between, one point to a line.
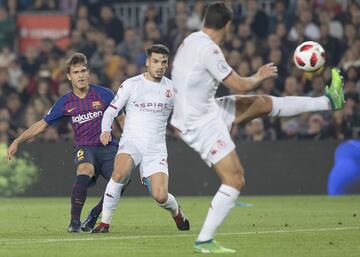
266 103
160 195
239 181
86 172
236 180
119 175
85 169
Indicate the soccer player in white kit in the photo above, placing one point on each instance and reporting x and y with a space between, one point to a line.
148 101
204 122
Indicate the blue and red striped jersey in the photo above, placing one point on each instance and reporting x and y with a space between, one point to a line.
85 113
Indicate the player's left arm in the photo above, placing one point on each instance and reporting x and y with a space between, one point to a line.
214 61
245 84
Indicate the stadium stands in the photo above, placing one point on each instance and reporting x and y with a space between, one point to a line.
114 37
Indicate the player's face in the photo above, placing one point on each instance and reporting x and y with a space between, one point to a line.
157 65
79 76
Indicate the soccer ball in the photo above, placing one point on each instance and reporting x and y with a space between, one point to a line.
309 56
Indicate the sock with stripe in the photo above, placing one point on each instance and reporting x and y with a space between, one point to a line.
111 200
293 105
170 205
78 196
222 203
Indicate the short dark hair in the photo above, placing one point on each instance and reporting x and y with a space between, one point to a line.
217 14
158 49
74 59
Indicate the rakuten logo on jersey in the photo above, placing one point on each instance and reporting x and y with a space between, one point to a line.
81 118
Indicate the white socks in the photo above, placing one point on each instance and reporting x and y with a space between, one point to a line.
170 205
111 200
222 203
293 105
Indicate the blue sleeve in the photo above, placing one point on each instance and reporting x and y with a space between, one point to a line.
108 97
56 112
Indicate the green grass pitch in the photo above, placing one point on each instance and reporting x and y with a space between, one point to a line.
294 226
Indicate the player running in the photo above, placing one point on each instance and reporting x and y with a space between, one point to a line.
148 101
84 106
204 121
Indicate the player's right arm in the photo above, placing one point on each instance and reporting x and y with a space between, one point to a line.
113 110
54 114
35 129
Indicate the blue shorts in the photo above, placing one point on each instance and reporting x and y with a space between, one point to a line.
101 157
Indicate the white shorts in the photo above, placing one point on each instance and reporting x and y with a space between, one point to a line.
212 140
151 160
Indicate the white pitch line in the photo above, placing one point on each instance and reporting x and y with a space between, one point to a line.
97 238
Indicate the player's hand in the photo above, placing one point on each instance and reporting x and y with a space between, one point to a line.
12 150
266 71
105 137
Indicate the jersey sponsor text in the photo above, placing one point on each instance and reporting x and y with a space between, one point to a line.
81 118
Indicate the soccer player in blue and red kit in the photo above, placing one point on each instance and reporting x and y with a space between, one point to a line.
84 107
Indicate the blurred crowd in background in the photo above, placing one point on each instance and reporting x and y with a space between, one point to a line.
31 82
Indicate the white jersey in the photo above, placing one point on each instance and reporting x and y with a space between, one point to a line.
198 67
147 104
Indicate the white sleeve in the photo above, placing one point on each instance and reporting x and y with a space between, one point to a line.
212 58
115 106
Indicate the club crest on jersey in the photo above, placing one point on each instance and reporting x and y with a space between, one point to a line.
163 162
116 97
168 93
219 145
96 105
222 66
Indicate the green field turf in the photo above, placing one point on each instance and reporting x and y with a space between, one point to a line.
272 226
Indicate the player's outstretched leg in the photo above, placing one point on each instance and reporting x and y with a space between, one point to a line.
335 91
294 105
157 185
251 107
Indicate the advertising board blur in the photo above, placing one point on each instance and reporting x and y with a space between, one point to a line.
33 27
